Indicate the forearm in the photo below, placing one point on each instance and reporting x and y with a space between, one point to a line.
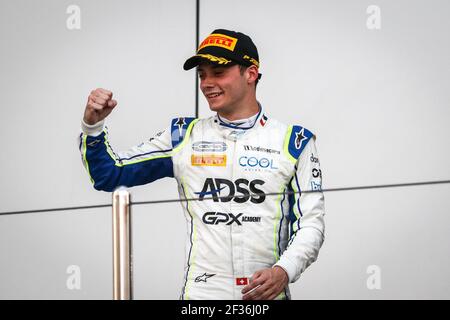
302 252
98 162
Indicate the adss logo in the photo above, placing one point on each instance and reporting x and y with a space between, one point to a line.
214 187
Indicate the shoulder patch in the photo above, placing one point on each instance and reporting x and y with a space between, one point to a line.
298 138
179 128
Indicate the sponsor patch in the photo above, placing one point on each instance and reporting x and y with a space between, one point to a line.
316 186
207 146
317 173
212 160
254 162
260 149
314 159
216 218
204 277
239 190
219 40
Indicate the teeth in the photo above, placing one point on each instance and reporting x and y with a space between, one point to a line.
213 95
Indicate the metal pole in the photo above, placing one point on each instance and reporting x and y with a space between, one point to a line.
122 255
197 41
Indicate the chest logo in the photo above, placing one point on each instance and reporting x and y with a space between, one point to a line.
206 146
212 160
240 191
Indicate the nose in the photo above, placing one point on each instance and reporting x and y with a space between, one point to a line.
206 83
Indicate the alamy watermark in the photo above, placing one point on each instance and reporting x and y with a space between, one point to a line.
374 280
73 21
73 281
373 21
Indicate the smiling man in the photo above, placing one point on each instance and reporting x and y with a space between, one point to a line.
226 89
253 229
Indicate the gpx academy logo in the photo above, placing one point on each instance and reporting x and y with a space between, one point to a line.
224 190
227 218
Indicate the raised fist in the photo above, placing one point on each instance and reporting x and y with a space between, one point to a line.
99 106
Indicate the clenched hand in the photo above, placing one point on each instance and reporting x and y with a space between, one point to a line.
99 106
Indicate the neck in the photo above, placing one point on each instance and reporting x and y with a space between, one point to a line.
243 111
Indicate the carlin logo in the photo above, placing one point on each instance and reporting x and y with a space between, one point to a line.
219 40
215 187
206 146
211 160
227 218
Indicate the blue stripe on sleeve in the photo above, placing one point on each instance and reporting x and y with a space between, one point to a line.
108 175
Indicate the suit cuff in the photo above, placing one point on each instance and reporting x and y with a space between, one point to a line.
289 267
94 129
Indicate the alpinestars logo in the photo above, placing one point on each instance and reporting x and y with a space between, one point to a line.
300 137
204 277
180 123
216 188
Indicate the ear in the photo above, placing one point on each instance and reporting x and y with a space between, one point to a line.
252 74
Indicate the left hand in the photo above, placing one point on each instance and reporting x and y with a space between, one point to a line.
269 283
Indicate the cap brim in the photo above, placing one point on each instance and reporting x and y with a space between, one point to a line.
191 62
198 58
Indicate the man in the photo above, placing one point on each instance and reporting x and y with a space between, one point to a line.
244 242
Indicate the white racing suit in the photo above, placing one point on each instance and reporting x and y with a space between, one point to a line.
250 213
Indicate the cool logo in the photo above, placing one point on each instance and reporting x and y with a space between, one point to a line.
264 163
214 187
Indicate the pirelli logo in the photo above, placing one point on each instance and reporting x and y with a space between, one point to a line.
219 40
212 160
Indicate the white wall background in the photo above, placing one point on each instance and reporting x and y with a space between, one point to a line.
377 100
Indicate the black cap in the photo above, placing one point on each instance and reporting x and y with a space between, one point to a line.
223 47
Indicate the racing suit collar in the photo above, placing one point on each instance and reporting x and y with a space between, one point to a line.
243 124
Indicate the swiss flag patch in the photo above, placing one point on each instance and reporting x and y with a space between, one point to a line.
241 281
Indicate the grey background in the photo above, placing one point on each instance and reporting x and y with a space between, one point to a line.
377 100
